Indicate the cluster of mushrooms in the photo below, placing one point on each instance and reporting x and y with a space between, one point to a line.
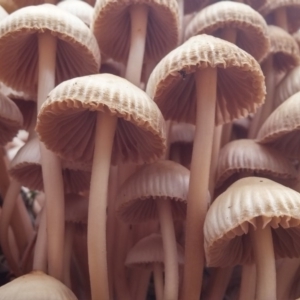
161 139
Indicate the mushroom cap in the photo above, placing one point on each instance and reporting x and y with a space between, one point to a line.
292 9
288 86
111 26
3 12
73 106
26 168
11 119
256 202
284 49
251 28
281 129
149 251
80 9
296 36
248 157
36 286
240 84
76 209
158 181
77 50
182 133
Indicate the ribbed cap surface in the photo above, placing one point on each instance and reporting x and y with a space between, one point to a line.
11 119
66 122
251 28
77 50
240 86
155 182
148 251
292 9
288 86
247 157
76 209
36 286
256 202
111 26
26 168
281 129
80 9
284 49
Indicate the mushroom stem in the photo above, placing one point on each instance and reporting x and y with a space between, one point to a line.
40 250
104 137
181 14
229 35
170 249
68 254
7 211
281 18
206 83
51 164
158 281
247 289
285 277
139 20
4 179
265 263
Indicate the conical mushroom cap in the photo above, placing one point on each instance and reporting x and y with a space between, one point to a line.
77 50
149 251
256 202
240 86
80 9
157 181
26 168
251 28
76 209
247 157
288 86
281 129
292 9
111 26
36 286
140 133
11 119
284 49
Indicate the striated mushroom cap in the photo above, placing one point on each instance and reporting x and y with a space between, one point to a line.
256 202
240 82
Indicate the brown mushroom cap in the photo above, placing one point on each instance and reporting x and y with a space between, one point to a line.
11 119
77 50
36 286
288 86
256 202
73 106
111 26
284 49
240 84
157 181
26 168
292 9
247 157
281 129
80 9
148 251
251 28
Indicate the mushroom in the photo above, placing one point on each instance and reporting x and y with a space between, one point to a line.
109 119
253 220
158 191
191 84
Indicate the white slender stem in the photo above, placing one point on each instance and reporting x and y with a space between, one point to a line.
51 164
265 263
206 83
247 289
181 14
104 137
40 250
158 281
139 20
7 211
170 249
